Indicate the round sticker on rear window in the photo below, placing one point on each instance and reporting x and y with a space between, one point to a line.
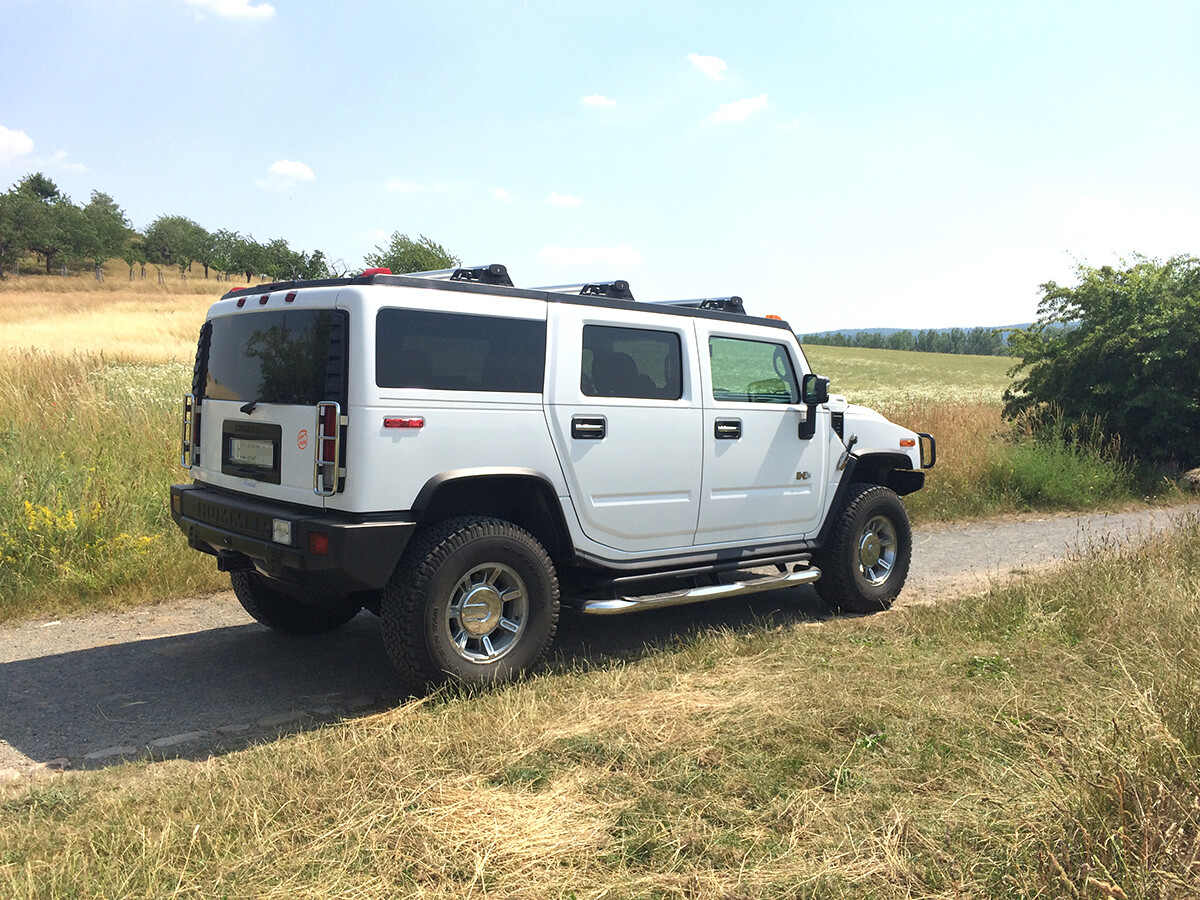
302 439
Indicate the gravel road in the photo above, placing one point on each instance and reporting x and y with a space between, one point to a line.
189 678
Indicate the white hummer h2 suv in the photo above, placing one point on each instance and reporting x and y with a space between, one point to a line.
458 455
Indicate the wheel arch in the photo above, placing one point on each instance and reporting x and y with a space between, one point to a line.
893 470
525 497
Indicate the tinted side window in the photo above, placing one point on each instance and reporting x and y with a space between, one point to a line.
454 352
631 362
751 371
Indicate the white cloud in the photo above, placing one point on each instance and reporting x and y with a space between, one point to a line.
739 109
59 161
709 66
597 100
235 9
411 187
285 173
502 194
573 256
13 144
557 199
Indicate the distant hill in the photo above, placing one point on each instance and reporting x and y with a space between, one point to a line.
976 341
1003 329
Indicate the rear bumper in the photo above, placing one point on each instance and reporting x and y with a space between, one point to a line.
360 552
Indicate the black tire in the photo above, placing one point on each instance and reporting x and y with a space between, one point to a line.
865 561
286 613
474 600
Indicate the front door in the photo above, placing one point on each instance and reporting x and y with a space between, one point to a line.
761 480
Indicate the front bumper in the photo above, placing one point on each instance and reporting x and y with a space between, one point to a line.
357 553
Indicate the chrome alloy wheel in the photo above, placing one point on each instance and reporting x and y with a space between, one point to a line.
487 614
877 550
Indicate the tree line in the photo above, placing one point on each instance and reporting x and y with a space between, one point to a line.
38 220
974 341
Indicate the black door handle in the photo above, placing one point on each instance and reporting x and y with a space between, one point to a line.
727 429
588 428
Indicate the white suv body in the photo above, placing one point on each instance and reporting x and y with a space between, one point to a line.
353 441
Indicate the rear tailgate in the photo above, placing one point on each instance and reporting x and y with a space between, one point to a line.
271 359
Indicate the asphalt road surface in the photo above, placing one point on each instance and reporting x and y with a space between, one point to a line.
190 678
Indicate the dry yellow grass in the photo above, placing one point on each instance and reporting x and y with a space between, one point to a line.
138 320
1035 741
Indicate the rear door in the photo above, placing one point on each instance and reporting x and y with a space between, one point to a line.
761 480
266 369
625 413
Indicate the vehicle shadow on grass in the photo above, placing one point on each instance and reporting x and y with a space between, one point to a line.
210 692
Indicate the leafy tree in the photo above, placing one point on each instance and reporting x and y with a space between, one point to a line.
50 224
225 251
1119 350
39 187
174 240
11 232
106 232
134 253
249 258
403 254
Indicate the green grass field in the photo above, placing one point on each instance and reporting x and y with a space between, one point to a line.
887 379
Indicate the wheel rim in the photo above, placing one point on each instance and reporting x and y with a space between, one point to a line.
877 550
488 611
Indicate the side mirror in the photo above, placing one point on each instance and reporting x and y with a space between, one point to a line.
814 390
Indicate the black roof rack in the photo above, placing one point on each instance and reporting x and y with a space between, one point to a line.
726 304
493 274
615 290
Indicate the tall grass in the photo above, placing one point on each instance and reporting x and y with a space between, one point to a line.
1039 741
90 419
88 449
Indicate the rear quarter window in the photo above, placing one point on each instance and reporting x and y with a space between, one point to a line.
455 352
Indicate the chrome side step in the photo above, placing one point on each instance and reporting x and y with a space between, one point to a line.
620 605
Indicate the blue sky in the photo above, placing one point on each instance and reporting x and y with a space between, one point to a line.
842 164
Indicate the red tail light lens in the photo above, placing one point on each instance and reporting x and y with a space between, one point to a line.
318 543
329 428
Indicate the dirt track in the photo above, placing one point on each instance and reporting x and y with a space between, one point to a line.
188 678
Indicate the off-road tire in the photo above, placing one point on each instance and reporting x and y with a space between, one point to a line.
865 561
473 600
286 613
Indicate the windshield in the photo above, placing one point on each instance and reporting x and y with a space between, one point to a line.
281 356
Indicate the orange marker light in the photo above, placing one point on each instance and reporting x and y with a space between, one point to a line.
907 442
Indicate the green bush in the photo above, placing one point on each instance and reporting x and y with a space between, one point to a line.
1120 348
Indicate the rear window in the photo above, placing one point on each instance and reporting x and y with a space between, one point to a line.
279 356
455 352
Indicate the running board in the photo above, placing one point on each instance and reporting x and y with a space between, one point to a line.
619 605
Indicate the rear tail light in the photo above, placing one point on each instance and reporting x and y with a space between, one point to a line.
327 471
318 543
188 442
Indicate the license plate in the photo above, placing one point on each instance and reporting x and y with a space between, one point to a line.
244 452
